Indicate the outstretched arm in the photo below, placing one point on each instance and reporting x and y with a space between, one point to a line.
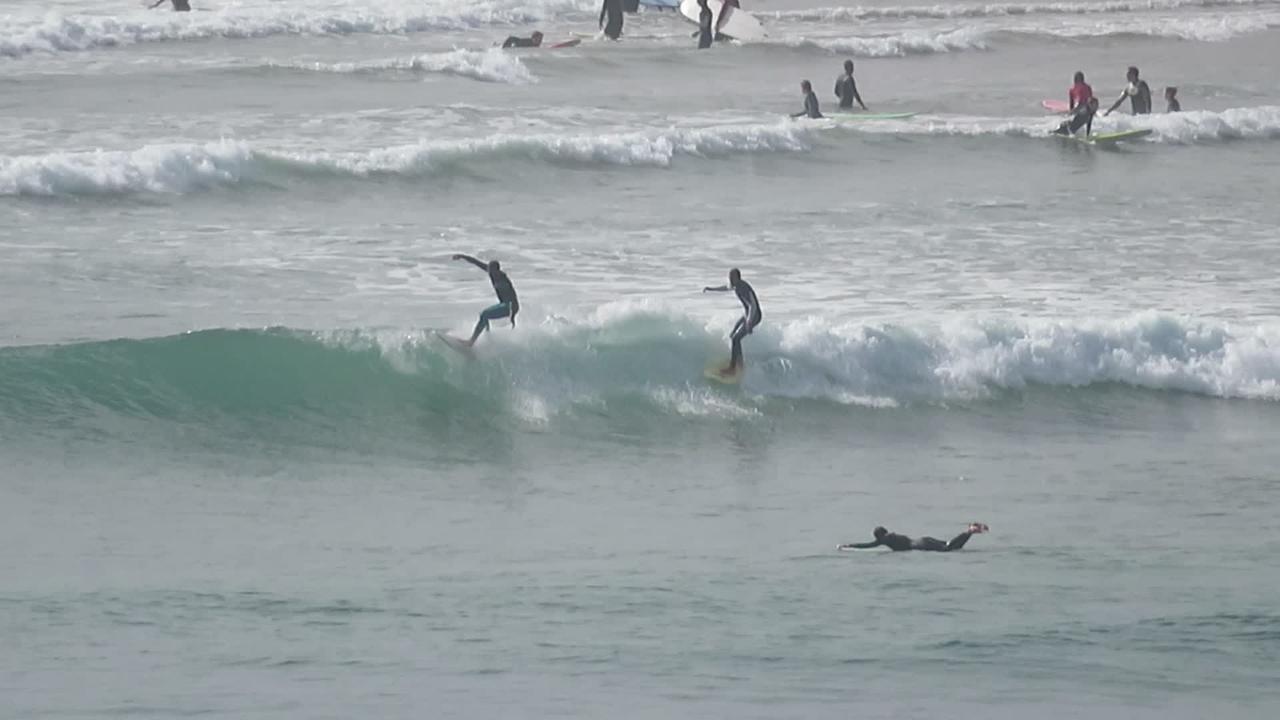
473 261
722 288
157 4
861 546
1116 104
858 97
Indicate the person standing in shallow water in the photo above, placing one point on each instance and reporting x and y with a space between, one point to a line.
847 88
706 34
811 109
178 5
613 10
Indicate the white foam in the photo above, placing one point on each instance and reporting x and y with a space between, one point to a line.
914 42
492 65
172 168
961 10
55 32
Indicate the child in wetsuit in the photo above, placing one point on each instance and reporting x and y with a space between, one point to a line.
1171 96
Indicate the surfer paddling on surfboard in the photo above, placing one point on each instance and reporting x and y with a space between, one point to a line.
751 316
508 305
899 543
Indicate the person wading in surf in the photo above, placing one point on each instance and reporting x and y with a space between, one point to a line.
810 102
178 5
1138 92
847 88
508 304
899 543
613 9
751 317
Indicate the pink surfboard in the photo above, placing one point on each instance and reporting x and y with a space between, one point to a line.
1057 106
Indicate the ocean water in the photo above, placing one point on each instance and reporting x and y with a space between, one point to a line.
242 477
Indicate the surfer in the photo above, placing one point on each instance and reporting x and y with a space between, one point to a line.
847 89
810 102
178 5
533 41
1138 92
706 35
1079 94
899 543
613 9
508 304
751 317
1081 117
1171 97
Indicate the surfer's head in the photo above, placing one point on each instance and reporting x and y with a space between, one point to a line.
806 87
536 37
1133 73
848 66
494 266
880 532
1170 92
735 276
1079 77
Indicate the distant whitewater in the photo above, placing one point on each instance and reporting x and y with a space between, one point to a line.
185 168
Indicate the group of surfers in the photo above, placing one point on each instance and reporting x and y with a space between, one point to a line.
1082 104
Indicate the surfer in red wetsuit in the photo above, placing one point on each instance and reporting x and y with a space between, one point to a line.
1079 94
899 543
508 304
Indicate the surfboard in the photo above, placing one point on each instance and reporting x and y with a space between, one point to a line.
1110 138
566 44
853 116
714 374
458 344
1055 106
1115 137
737 24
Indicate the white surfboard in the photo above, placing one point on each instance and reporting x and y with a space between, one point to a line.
737 24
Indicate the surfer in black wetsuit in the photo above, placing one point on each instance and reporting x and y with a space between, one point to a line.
1138 92
613 9
533 41
178 5
899 543
751 317
810 102
706 34
847 89
508 304
1081 117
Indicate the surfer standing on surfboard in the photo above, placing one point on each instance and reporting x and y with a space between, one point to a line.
751 317
899 543
508 304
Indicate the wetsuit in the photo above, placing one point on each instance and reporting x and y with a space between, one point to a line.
1174 105
751 317
899 543
705 34
1081 118
519 42
1139 94
508 304
178 5
810 107
847 91
613 28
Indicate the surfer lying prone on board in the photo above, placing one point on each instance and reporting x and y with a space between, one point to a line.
533 41
1081 117
898 543
508 304
751 317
